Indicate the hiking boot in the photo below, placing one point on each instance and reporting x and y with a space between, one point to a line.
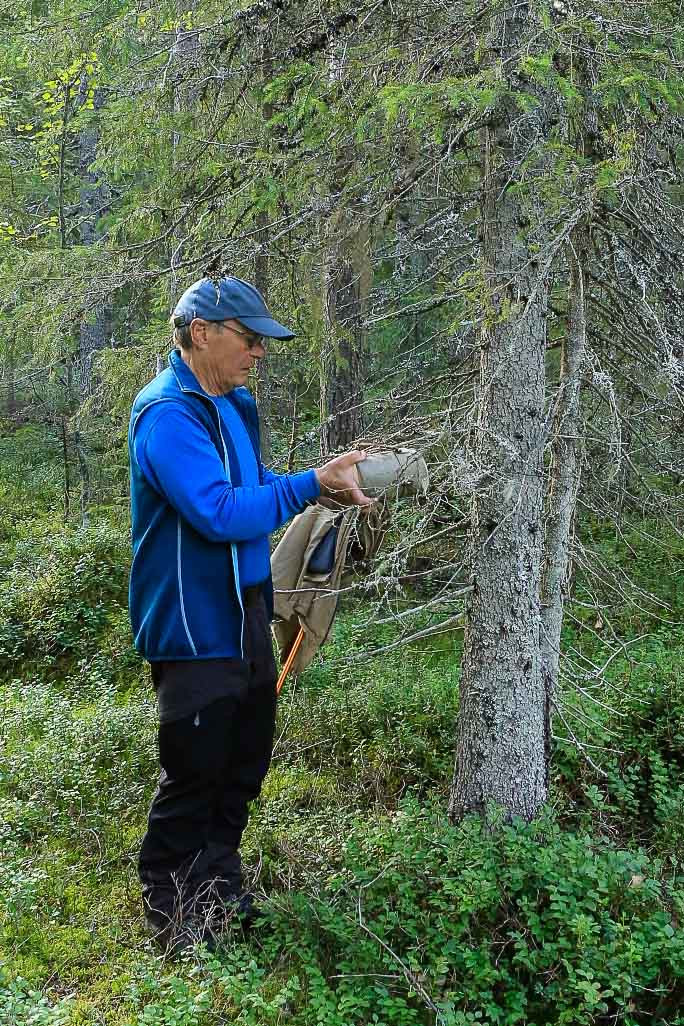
176 921
241 910
193 930
224 905
174 938
163 912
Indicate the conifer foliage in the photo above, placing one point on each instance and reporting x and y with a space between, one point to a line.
472 215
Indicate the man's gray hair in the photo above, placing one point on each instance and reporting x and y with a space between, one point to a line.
182 336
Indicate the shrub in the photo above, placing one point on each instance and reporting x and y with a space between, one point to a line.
522 924
20 1005
32 482
641 788
68 770
388 722
57 595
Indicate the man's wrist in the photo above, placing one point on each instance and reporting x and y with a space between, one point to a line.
310 482
321 486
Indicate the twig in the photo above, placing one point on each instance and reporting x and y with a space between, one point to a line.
410 977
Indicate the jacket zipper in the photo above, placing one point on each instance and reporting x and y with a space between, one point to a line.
180 589
233 546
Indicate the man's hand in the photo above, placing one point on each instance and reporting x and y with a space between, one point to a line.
339 481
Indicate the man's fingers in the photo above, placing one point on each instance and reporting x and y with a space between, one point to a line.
354 456
329 503
340 479
356 494
360 498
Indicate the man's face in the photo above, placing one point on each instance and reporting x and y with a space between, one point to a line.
228 350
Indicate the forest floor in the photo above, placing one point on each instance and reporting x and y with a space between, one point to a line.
378 909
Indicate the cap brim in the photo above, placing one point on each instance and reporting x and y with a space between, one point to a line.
266 326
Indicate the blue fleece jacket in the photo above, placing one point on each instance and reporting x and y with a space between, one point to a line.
202 506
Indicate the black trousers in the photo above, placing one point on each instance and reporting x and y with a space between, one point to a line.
213 764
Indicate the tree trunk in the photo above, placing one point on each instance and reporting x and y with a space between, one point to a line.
93 204
67 475
501 735
185 56
410 259
565 471
341 376
94 331
263 384
84 471
11 389
341 393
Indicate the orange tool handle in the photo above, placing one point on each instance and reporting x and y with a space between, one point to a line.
290 659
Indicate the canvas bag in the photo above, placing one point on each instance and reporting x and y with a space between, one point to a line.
306 595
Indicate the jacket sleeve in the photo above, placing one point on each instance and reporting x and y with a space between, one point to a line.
179 460
267 476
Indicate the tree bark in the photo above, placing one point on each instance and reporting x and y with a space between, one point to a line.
67 476
501 734
566 455
11 392
263 384
93 204
410 260
341 378
341 374
185 56
565 471
94 332
84 472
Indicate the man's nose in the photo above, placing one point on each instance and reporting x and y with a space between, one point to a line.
258 350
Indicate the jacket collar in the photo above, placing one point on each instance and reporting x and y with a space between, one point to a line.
187 381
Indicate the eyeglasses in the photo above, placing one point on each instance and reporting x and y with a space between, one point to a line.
251 339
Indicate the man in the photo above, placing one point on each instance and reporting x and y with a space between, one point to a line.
201 599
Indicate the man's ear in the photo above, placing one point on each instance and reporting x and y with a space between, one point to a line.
198 333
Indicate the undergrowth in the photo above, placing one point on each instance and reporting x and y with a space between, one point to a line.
379 911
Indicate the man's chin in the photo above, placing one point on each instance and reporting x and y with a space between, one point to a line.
240 378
